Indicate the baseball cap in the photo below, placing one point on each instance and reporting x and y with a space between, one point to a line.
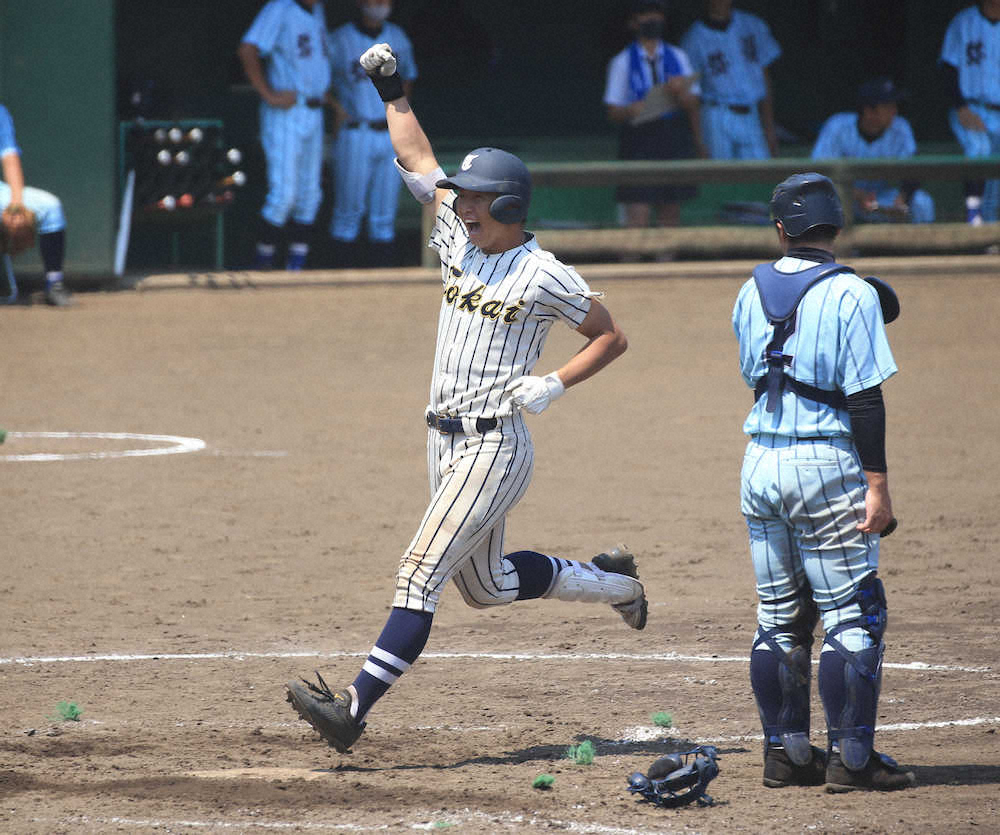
642 6
878 90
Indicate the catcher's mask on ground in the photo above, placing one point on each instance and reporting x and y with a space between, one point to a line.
678 779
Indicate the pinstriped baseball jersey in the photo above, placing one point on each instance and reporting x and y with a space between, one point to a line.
495 315
972 46
839 342
839 137
350 83
293 40
732 60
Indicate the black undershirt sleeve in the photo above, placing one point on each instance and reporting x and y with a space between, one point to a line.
867 411
952 91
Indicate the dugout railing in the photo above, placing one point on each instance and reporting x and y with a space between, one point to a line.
756 240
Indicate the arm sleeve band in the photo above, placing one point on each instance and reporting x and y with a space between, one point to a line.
421 186
867 411
952 91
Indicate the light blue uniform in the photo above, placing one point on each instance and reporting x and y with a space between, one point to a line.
840 138
731 63
47 207
972 46
293 40
364 174
803 498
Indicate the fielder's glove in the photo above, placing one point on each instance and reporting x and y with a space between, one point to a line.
18 229
379 63
534 394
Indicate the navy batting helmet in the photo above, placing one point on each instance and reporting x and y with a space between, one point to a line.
805 201
493 170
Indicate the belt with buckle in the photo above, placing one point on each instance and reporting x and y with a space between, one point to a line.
383 125
987 104
314 103
452 426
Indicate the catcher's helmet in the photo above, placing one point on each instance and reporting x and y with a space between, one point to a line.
805 201
493 170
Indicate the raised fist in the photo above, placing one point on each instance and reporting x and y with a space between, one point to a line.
379 59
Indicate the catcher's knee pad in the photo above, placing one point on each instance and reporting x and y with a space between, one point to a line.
850 681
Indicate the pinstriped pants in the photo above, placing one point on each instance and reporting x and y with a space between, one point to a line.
475 481
802 502
293 145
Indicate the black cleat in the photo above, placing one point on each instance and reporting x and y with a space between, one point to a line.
880 774
780 771
329 713
619 560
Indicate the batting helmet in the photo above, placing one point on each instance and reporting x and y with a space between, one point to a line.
493 170
805 201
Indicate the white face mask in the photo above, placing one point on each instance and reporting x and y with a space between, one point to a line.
378 13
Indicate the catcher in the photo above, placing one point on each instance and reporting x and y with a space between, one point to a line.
25 210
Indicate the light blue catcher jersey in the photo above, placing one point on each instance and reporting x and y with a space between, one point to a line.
972 45
839 138
294 42
839 342
8 143
732 62
350 83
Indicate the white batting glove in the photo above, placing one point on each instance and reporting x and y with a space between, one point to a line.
379 58
534 394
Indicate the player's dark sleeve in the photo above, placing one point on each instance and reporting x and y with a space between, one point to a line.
949 79
867 411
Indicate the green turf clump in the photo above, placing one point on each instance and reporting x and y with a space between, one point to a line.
67 712
582 754
662 719
543 781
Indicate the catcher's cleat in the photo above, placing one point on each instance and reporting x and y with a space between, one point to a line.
619 560
57 295
329 713
881 774
780 771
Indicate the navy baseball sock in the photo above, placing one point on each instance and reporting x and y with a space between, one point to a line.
52 247
535 573
401 642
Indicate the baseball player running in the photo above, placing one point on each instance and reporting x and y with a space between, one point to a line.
970 60
291 35
732 50
501 293
814 491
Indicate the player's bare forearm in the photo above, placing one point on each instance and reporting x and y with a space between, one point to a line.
413 148
765 109
606 342
13 176
253 67
878 504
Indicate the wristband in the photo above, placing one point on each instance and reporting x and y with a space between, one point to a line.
389 87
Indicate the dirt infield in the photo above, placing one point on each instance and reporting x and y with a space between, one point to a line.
171 596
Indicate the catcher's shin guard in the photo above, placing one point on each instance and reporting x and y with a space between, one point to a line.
850 682
780 679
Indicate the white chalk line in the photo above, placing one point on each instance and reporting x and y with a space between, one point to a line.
177 445
429 821
918 666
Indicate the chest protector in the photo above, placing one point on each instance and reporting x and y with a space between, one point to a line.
780 295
